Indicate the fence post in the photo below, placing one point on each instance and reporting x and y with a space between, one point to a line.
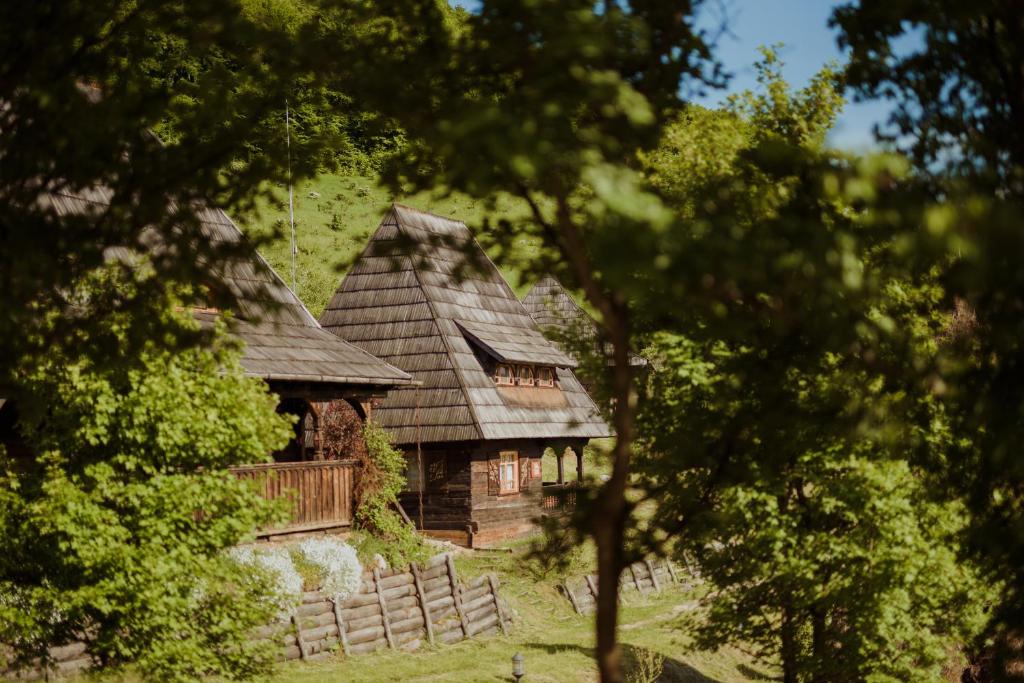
342 630
636 579
456 594
592 586
654 579
427 623
385 619
298 637
671 571
572 598
493 581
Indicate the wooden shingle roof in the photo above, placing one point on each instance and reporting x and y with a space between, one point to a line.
411 299
561 318
283 341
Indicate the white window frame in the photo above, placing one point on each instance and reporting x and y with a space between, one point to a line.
508 381
508 472
525 382
545 382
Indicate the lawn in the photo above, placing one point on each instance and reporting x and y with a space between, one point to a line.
555 642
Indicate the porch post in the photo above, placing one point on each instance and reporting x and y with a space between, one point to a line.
579 464
561 467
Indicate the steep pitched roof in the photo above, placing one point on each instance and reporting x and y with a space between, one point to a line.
553 309
560 317
283 341
411 299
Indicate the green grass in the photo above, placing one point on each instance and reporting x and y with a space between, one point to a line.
555 642
335 215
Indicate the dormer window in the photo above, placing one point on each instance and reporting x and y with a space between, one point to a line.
525 378
503 375
545 377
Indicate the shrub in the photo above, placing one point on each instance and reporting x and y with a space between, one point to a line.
114 533
381 479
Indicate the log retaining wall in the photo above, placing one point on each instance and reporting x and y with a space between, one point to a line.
395 609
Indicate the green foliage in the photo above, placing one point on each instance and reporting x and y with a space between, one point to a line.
952 69
778 443
115 533
381 479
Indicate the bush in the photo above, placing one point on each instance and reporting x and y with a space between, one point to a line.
114 533
381 479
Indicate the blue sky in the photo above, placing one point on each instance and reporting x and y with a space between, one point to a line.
802 26
809 43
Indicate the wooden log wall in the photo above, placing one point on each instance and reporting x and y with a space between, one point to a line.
395 609
642 577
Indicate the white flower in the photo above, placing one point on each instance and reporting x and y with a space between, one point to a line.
278 564
343 575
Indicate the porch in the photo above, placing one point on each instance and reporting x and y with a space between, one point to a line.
559 495
319 492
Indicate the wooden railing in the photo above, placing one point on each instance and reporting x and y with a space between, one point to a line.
558 497
320 492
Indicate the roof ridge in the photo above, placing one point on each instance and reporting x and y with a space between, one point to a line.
427 213
449 351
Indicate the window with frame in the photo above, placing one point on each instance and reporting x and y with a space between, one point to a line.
525 378
545 377
508 472
503 375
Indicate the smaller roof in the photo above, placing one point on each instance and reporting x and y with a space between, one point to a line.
515 345
556 312
283 341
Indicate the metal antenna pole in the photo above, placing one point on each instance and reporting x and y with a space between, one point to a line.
291 202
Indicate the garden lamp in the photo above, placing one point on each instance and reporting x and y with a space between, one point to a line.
517 667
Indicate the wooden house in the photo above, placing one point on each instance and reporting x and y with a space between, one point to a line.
493 394
306 366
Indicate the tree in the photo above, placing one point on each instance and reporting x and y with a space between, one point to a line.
775 434
114 534
954 70
550 102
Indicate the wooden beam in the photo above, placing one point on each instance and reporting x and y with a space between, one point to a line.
572 598
493 581
671 571
342 629
427 621
636 579
592 586
456 594
654 579
385 619
303 654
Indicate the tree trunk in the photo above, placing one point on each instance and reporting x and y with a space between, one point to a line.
818 644
609 523
789 647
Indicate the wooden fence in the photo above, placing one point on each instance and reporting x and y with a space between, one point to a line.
320 492
397 610
394 610
558 497
642 577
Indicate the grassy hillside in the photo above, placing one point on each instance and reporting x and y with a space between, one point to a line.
335 216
